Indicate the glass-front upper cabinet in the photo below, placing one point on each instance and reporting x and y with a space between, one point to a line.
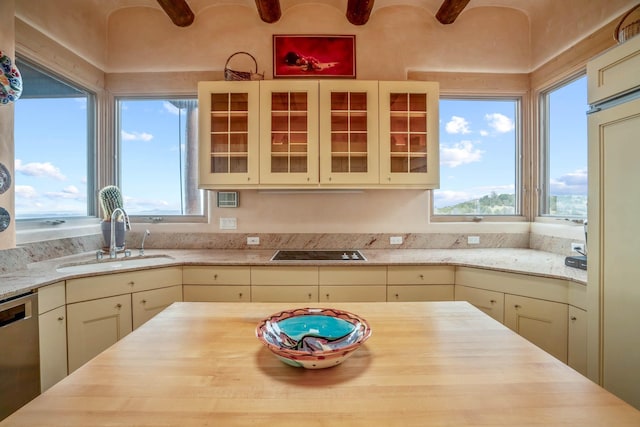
229 133
409 134
289 132
348 132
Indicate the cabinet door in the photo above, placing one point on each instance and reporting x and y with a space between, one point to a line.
614 72
577 352
93 326
491 302
53 347
353 293
289 132
217 283
409 141
349 132
544 323
289 293
229 133
147 304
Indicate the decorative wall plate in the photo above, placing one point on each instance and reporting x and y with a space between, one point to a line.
10 80
5 178
5 219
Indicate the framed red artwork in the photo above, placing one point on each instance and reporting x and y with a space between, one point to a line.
314 56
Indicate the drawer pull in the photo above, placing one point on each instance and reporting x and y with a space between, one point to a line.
517 306
493 301
397 296
310 295
574 318
421 277
131 283
144 301
61 318
215 277
118 305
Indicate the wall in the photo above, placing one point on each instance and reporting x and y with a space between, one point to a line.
7 237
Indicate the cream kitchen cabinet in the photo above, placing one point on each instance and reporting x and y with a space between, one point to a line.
544 323
289 132
216 283
52 323
577 345
284 284
420 283
409 135
491 302
229 149
352 283
146 304
99 308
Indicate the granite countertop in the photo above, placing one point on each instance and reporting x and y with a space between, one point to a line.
525 261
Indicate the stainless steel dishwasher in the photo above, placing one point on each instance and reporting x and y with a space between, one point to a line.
19 352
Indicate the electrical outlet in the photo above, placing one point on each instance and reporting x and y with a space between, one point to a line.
577 247
395 240
253 240
473 240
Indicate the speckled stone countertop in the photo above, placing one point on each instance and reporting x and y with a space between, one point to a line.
526 261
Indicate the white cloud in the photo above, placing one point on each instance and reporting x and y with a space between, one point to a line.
457 125
571 183
499 122
460 153
25 192
136 136
37 169
484 133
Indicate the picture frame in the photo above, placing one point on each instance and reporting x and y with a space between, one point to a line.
314 56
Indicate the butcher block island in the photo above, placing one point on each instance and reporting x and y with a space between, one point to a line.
425 364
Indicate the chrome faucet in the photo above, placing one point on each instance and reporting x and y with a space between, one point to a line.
113 253
144 236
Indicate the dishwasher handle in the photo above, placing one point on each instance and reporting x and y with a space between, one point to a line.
16 309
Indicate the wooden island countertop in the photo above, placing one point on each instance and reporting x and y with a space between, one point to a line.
426 364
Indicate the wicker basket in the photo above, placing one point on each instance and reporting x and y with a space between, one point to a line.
231 75
622 34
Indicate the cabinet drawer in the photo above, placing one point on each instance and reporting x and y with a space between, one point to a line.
290 293
209 275
217 293
353 293
107 285
490 302
50 297
353 275
421 275
283 276
420 293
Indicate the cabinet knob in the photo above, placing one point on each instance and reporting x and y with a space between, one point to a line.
240 295
397 296
61 318
144 301
517 306
215 277
327 296
389 178
421 276
310 296
248 178
493 301
574 318
118 305
131 283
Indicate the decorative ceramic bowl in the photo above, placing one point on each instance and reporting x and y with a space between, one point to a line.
313 338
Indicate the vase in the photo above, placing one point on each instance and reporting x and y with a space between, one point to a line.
106 234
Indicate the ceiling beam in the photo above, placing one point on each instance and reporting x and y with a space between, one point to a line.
269 10
449 10
179 12
358 11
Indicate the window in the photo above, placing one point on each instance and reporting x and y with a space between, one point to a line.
563 150
54 142
479 151
158 147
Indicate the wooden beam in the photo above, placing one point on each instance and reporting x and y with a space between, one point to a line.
358 11
449 10
269 10
179 12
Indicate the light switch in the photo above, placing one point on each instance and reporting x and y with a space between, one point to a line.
228 223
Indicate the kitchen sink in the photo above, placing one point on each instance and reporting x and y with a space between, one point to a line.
109 264
318 255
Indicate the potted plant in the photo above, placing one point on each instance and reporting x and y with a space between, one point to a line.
110 199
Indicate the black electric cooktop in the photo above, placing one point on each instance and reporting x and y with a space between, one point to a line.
318 255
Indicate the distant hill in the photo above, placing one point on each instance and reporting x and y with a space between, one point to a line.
504 204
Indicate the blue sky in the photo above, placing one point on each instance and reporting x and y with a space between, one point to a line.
477 152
